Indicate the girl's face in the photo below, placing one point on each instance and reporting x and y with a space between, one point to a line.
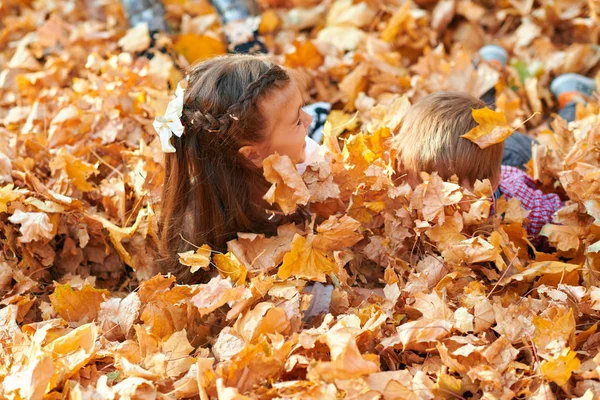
286 126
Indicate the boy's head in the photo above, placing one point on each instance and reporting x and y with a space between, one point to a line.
429 140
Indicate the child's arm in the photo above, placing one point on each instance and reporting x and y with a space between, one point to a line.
541 206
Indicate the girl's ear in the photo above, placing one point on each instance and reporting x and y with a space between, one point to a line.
253 154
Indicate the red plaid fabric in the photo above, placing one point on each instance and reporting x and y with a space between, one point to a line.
516 183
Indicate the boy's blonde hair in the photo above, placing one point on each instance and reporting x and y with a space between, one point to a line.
429 140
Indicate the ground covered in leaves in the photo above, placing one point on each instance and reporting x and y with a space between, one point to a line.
463 307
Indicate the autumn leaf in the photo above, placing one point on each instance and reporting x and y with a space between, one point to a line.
71 352
492 128
199 259
306 261
288 189
229 266
195 47
559 369
433 195
216 293
305 54
77 170
78 305
7 194
337 233
35 226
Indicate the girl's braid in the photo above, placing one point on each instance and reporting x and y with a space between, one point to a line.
222 123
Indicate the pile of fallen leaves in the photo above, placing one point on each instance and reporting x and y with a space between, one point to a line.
438 292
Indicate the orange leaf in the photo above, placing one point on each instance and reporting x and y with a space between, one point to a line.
492 128
78 305
305 261
194 47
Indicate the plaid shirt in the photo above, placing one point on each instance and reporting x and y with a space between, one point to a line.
516 183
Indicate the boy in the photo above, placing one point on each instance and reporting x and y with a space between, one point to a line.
429 140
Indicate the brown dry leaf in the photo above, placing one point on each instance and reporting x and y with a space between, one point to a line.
288 188
433 195
78 305
216 293
347 362
199 259
262 254
77 170
337 233
565 238
307 261
471 251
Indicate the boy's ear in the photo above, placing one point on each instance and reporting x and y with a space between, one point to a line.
252 154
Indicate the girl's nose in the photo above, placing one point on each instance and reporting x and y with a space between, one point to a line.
306 119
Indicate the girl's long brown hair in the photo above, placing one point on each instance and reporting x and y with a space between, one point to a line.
211 191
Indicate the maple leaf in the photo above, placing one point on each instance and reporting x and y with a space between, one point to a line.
35 226
559 368
305 54
288 189
78 305
259 253
347 362
177 349
121 313
216 293
199 259
306 261
565 238
433 195
7 194
229 266
337 233
77 170
196 47
492 128
72 351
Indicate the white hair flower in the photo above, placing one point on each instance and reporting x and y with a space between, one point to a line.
170 124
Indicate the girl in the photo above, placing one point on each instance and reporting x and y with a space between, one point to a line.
236 111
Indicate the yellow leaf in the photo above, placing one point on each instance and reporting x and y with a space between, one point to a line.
77 170
269 22
78 305
177 349
72 351
196 259
548 331
8 194
229 266
305 261
492 128
194 47
560 368
400 18
288 188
